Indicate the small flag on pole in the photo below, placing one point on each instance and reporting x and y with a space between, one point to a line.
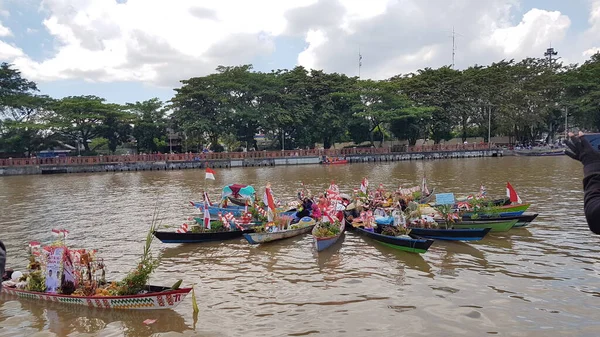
210 174
206 214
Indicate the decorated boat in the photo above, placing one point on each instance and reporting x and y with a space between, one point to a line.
501 211
334 161
238 194
273 232
496 226
469 234
403 243
325 234
523 220
59 274
153 298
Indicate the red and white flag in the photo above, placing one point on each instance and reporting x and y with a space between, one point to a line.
183 228
210 174
512 194
206 213
34 244
270 203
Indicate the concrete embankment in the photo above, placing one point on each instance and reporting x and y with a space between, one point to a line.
172 162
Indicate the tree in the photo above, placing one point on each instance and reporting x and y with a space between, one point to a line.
149 122
24 112
582 87
80 118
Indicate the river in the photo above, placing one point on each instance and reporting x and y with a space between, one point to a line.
539 281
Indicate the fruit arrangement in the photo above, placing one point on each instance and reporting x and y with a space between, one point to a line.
327 229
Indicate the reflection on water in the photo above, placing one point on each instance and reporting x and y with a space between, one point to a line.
526 282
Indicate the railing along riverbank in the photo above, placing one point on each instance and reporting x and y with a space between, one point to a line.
140 162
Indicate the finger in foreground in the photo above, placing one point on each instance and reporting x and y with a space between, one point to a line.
571 154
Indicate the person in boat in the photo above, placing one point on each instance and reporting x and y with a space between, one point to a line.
2 262
305 208
316 212
581 150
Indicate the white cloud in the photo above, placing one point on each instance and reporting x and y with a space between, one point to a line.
31 30
162 42
4 31
536 31
155 40
9 52
588 53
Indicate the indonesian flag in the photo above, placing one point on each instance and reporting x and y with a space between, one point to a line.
34 244
364 185
210 174
269 202
60 232
206 213
512 194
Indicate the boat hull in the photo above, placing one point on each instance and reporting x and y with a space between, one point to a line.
505 211
189 237
324 243
540 153
258 238
496 226
419 246
522 220
161 299
470 234
236 210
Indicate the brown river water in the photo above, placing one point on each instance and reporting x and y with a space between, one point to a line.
539 281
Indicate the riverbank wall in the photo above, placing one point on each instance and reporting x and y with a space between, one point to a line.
164 162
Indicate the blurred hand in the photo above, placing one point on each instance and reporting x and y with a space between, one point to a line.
580 149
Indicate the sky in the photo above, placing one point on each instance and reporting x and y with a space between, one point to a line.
134 50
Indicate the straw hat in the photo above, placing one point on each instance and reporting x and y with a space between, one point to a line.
351 207
345 196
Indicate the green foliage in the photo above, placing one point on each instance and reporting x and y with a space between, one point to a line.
327 229
299 108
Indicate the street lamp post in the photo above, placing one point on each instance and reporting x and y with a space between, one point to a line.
566 122
489 127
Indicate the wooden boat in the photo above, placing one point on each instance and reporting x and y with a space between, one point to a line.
189 237
236 210
402 243
468 234
306 225
155 298
325 242
541 152
522 220
505 211
257 238
335 162
496 226
427 199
